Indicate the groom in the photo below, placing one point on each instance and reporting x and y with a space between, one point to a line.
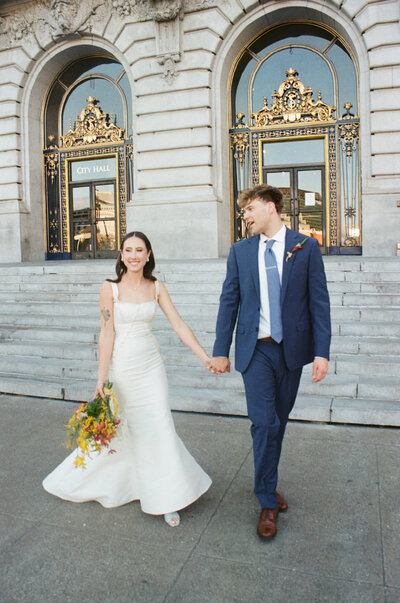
275 287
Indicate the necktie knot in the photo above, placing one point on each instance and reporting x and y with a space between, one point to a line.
269 243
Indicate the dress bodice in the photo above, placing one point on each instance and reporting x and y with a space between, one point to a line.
131 318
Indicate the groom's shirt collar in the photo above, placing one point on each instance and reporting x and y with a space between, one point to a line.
279 237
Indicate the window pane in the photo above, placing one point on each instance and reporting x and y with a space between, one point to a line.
88 65
280 180
347 78
105 235
81 202
311 224
313 71
106 93
105 202
293 152
124 83
309 193
241 83
292 34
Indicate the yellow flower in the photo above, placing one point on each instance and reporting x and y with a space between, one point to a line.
79 461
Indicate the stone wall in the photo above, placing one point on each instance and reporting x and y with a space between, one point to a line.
178 55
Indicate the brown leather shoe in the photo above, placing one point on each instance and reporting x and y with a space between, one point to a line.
282 504
266 527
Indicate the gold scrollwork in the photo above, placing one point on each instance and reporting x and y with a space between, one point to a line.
240 144
129 151
51 159
292 103
348 132
93 126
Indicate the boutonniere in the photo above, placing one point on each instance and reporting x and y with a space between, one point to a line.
295 248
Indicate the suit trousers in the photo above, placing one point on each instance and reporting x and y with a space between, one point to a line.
271 391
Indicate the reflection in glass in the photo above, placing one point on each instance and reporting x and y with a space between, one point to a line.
80 200
105 216
280 180
82 236
105 235
309 193
105 204
293 152
311 224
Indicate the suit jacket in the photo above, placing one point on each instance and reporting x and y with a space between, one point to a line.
304 301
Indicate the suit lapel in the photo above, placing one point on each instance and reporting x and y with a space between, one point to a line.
253 243
292 238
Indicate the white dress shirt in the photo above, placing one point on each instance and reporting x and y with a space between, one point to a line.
264 327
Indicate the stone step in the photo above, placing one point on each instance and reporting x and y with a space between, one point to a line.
56 368
31 386
371 277
378 388
384 288
368 299
47 335
365 412
370 329
81 351
190 310
210 295
366 365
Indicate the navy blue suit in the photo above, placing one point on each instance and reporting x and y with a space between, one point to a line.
271 372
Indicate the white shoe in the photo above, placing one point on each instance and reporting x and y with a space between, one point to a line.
172 519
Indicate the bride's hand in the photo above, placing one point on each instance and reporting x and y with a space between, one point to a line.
207 362
99 389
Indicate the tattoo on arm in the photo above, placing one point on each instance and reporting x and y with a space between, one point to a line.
106 314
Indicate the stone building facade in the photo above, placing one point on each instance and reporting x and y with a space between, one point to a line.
151 115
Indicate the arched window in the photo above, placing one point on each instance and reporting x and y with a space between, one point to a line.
294 124
88 158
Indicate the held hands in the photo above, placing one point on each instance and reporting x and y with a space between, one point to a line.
219 364
320 369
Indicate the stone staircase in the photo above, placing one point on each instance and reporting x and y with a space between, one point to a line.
49 327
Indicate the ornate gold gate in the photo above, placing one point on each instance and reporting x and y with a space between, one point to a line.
87 180
294 116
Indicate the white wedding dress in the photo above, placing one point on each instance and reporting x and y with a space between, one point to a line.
151 463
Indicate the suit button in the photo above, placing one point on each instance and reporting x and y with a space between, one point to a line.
258 309
256 328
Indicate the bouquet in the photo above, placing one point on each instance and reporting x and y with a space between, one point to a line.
93 425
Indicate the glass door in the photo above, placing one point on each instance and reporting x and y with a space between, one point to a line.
303 191
93 220
93 208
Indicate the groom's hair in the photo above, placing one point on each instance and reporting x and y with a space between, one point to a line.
263 192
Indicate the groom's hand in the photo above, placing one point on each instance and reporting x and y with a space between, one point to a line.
320 369
220 364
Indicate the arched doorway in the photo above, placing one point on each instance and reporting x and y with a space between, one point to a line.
295 106
88 159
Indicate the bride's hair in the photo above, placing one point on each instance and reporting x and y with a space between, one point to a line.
120 267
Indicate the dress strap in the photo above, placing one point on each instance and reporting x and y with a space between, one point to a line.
157 290
114 287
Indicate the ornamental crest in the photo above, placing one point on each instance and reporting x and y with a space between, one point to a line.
292 103
92 126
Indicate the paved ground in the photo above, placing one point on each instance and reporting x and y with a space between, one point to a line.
338 542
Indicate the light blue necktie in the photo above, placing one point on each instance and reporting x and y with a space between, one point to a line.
274 292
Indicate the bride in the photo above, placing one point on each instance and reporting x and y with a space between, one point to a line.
151 463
